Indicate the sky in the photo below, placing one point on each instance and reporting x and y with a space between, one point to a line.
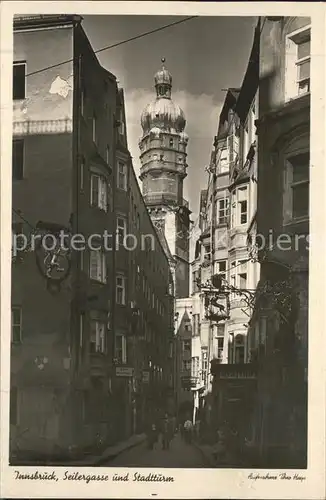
204 55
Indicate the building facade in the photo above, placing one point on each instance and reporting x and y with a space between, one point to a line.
278 331
224 273
84 350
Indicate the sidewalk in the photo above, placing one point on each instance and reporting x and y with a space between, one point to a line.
112 451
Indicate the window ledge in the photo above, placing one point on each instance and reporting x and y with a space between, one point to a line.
296 97
292 222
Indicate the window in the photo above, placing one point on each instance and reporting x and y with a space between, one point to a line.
121 349
195 281
243 205
107 155
223 211
220 346
121 290
239 349
99 192
195 366
17 159
298 175
221 268
94 130
122 176
121 228
187 345
186 365
16 324
207 253
196 324
19 81
97 336
97 266
224 160
13 406
297 66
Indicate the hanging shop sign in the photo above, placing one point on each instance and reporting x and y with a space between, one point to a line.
124 371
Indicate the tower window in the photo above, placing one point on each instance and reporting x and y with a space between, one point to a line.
171 142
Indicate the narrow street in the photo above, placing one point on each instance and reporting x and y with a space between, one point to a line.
180 454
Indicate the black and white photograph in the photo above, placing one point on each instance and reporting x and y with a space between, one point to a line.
160 186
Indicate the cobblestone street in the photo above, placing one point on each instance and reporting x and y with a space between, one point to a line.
180 454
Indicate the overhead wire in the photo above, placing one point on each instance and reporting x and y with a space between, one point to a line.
118 44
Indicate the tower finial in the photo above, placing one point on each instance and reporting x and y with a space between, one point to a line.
163 60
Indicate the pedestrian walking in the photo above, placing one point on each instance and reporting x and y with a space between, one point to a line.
188 431
166 432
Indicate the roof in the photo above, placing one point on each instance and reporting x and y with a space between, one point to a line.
24 21
164 243
250 82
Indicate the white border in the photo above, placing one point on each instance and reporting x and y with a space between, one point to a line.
189 483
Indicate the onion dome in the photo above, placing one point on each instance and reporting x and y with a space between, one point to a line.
163 113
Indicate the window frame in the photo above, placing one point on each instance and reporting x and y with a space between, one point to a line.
20 324
122 164
293 62
100 340
20 63
102 182
124 355
123 227
288 216
225 209
122 287
94 128
101 266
